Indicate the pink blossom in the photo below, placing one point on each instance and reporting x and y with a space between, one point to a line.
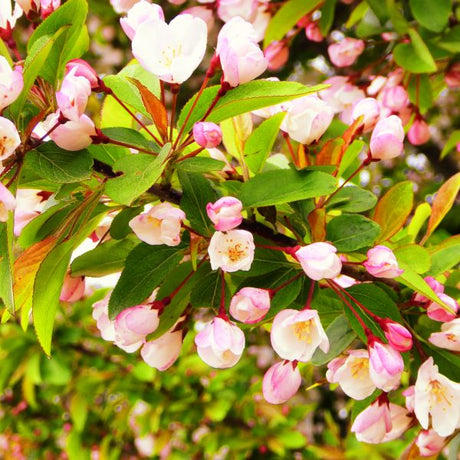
225 213
207 134
295 335
231 251
449 337
394 97
164 351
220 344
73 288
171 51
250 305
29 204
382 263
437 312
72 135
11 83
203 13
228 9
161 224
7 203
29 5
307 119
385 365
437 396
81 68
101 315
261 21
345 281
429 443
281 382
123 6
133 324
141 12
313 32
9 15
352 374
48 6
240 56
419 132
73 96
387 138
409 394
345 52
435 285
398 336
9 138
319 260
277 53
452 76
369 109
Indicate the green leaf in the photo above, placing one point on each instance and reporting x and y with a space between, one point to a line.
340 336
414 257
421 92
448 362
145 268
286 18
208 291
140 172
393 209
352 199
451 143
327 16
259 144
120 228
197 193
285 185
352 232
380 9
422 212
244 98
329 306
5 52
107 153
451 41
58 165
200 165
268 260
6 263
132 137
78 411
107 258
414 57
445 256
431 15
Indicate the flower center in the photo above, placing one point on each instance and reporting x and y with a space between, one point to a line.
439 392
169 54
302 330
359 368
236 251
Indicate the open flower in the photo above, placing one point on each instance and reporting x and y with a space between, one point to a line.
220 344
9 138
436 396
449 337
319 260
382 263
11 83
281 382
295 335
225 213
161 224
249 305
7 203
231 251
171 51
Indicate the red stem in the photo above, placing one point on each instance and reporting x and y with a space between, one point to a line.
283 285
311 290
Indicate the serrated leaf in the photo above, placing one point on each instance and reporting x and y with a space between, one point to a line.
200 165
352 199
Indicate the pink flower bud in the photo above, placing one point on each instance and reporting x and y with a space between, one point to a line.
133 324
319 260
161 224
345 52
81 68
72 135
385 365
231 251
452 76
295 335
313 32
277 53
429 443
419 132
398 336
281 382
382 263
394 97
9 138
387 138
438 313
11 83
73 288
228 9
73 95
207 134
164 351
48 6
449 337
369 109
7 203
437 287
225 213
141 12
220 344
250 305
101 315
240 56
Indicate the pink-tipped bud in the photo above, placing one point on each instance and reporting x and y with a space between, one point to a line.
382 263
225 213
437 312
83 69
207 134
281 382
345 52
369 109
387 138
398 336
434 284
313 32
429 443
419 132
395 98
162 352
250 305
73 288
277 53
74 134
48 6
385 365
319 260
